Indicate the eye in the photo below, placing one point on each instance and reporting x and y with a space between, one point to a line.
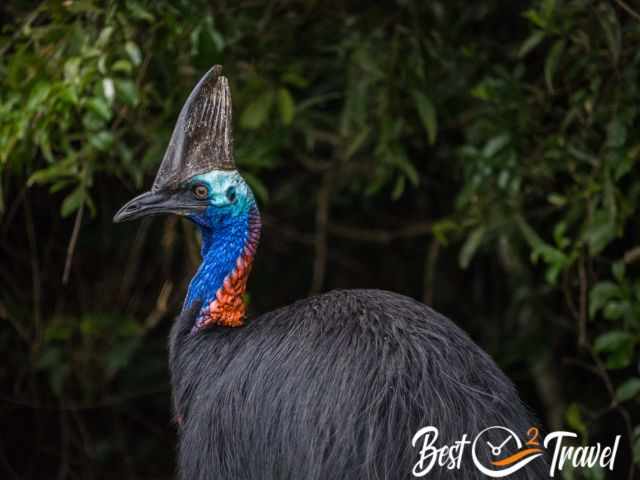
231 194
200 191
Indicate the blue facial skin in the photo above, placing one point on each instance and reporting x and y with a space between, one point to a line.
224 226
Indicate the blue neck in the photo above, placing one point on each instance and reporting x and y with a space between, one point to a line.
222 245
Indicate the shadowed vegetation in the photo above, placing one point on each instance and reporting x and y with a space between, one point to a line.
479 156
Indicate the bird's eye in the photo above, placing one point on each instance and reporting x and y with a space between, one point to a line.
231 194
200 191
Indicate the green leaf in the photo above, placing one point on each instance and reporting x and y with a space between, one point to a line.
257 112
559 235
139 12
108 89
400 159
574 419
495 145
295 79
134 52
369 62
73 201
600 232
615 310
628 389
57 332
69 94
127 91
535 18
89 327
93 121
60 185
218 39
594 473
427 113
620 358
470 247
62 169
102 64
286 105
442 228
609 22
557 200
100 107
530 235
613 340
103 38
619 346
618 270
50 358
71 68
548 7
102 140
531 42
583 156
600 294
398 188
616 133
357 143
38 96
551 64
122 65
481 91
556 259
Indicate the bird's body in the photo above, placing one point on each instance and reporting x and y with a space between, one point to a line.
334 387
331 387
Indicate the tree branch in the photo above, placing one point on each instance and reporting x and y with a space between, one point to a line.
628 9
72 245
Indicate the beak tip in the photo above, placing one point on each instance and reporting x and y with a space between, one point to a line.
119 218
128 210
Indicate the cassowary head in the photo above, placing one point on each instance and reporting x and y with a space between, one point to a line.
198 179
198 176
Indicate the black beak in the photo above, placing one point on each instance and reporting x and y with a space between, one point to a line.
160 202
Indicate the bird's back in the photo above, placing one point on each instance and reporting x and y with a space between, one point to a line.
334 387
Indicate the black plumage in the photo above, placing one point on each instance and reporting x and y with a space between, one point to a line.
334 387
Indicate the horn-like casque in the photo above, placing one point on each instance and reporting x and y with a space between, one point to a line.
202 139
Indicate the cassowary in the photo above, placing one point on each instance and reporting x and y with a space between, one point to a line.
332 387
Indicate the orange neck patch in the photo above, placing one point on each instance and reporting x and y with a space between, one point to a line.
228 307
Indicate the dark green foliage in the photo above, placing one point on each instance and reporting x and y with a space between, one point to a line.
480 156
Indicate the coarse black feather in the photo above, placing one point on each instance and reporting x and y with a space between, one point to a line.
334 387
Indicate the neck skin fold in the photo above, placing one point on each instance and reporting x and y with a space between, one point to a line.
228 249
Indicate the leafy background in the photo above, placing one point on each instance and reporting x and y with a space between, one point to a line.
479 156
